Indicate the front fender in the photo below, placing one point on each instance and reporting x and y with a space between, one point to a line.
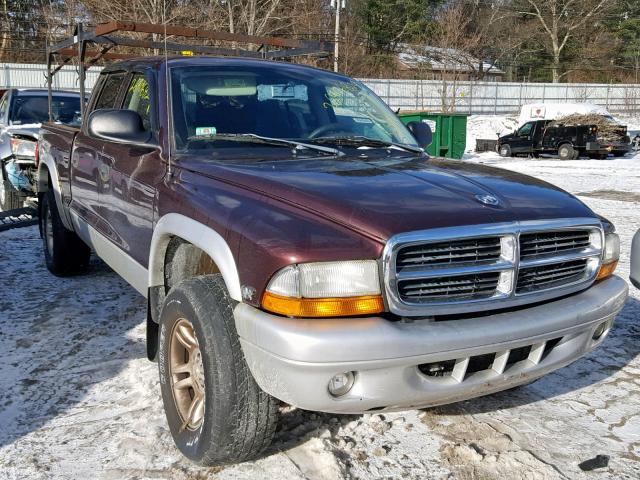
203 237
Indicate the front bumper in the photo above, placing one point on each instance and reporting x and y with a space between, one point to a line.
294 359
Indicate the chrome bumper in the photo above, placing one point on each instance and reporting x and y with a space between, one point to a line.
294 359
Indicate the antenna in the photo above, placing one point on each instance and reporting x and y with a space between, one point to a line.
167 83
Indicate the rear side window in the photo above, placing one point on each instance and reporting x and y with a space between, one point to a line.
137 99
109 92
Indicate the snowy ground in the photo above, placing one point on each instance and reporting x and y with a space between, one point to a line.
79 400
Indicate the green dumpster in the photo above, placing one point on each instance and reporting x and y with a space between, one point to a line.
449 132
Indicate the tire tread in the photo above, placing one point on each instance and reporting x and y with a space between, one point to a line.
251 420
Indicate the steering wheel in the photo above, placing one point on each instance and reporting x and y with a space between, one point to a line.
330 127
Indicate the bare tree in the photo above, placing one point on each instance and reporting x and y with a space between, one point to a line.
560 21
450 50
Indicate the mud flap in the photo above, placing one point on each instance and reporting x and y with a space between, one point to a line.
155 298
152 339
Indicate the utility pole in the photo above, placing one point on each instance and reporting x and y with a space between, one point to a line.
338 5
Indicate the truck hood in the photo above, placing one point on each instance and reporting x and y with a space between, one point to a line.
385 196
506 138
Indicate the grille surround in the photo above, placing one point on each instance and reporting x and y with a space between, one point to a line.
394 277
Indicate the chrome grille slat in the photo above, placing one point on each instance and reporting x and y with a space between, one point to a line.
461 257
564 271
452 252
556 245
450 288
460 284
448 292
483 267
425 289
448 271
549 243
546 275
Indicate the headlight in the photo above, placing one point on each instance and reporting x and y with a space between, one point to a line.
23 148
327 289
610 255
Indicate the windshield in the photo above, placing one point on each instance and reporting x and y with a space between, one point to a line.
29 109
276 102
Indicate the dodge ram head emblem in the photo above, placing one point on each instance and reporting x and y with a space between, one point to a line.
487 199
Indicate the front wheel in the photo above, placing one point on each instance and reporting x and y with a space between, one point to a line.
216 412
504 150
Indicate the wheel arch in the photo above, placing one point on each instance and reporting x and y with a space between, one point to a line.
47 178
203 237
564 142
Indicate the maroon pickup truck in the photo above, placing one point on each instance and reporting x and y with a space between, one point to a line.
296 244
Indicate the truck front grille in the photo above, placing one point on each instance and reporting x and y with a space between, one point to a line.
495 363
460 270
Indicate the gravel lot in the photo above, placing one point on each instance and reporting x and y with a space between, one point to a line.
78 399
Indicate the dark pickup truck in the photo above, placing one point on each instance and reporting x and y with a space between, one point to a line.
567 141
295 244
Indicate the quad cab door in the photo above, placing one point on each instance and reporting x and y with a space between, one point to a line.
87 172
132 174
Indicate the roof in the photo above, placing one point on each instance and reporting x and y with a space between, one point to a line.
43 92
186 61
448 59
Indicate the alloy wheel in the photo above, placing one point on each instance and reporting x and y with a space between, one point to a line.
187 374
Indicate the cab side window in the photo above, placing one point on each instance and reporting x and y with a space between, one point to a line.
525 130
109 93
137 99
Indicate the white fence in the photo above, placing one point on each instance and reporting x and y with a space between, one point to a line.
34 75
500 97
435 95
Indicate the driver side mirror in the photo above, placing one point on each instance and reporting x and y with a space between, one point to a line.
421 132
119 126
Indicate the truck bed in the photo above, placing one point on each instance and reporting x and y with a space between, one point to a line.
56 143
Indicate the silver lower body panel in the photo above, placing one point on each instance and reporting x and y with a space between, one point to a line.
294 359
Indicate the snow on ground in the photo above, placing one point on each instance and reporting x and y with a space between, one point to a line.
79 400
488 127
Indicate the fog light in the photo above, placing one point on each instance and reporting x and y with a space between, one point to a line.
341 383
597 334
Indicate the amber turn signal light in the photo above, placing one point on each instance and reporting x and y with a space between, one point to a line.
322 307
607 270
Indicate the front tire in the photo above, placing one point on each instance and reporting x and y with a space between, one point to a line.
504 150
64 253
216 412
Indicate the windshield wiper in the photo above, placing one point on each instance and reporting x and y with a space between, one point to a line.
253 138
358 140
